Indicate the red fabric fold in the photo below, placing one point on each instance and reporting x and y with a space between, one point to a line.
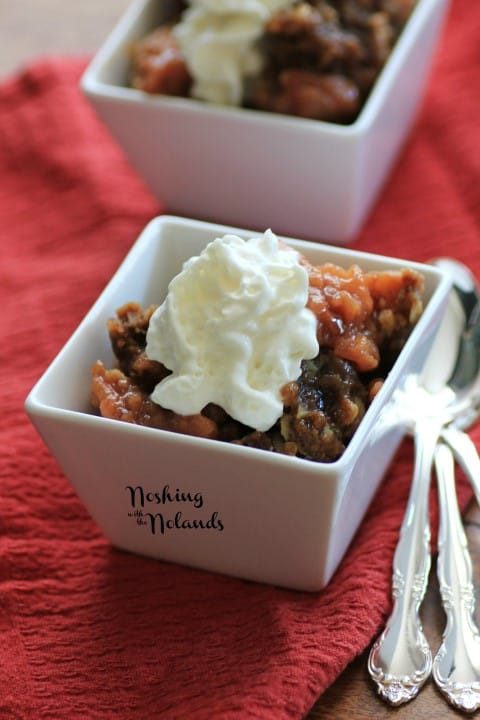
90 632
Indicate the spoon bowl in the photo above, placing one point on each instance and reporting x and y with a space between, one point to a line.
455 357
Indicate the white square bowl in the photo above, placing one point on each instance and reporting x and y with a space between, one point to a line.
306 178
284 520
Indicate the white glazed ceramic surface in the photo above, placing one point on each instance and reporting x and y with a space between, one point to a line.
306 178
276 519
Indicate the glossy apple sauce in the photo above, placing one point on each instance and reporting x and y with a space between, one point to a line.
318 59
363 322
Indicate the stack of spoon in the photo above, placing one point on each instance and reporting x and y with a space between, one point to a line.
438 407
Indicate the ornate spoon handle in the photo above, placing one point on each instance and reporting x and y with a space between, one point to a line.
400 660
456 667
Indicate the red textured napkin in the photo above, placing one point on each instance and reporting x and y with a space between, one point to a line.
90 632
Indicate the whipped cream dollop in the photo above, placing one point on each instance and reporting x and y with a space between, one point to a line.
218 40
233 330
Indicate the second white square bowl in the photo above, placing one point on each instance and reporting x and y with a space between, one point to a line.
253 169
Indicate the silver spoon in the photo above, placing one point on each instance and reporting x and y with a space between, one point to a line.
456 666
400 661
